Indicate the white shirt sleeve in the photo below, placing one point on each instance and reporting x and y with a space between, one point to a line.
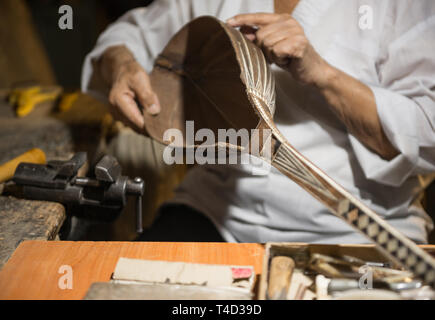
405 98
144 31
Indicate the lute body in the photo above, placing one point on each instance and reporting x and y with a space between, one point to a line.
211 74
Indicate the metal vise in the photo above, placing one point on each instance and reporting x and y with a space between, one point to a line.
102 197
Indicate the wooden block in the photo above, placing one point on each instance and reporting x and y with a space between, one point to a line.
280 274
27 220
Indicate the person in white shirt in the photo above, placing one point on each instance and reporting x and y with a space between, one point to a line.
355 83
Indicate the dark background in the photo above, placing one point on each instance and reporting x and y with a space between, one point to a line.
66 49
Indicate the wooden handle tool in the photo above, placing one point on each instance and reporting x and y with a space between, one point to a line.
7 169
280 274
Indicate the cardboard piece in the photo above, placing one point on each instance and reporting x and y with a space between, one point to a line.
184 273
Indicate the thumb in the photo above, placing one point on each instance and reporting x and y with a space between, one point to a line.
146 96
150 102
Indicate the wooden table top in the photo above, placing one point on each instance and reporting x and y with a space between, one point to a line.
33 270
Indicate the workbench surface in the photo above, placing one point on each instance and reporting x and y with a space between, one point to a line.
27 220
33 270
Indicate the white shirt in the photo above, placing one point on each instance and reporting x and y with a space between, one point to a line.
395 58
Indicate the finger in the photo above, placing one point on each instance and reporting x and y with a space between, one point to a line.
283 52
250 37
123 100
249 32
272 39
267 31
130 110
294 47
120 117
151 103
114 111
269 34
144 94
254 19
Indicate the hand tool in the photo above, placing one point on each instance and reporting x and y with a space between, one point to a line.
337 285
100 197
348 267
26 99
7 169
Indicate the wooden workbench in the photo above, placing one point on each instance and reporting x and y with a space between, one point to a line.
22 220
33 270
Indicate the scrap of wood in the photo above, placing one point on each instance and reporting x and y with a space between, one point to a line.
299 287
27 220
280 274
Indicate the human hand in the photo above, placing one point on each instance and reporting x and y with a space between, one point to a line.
284 43
130 87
